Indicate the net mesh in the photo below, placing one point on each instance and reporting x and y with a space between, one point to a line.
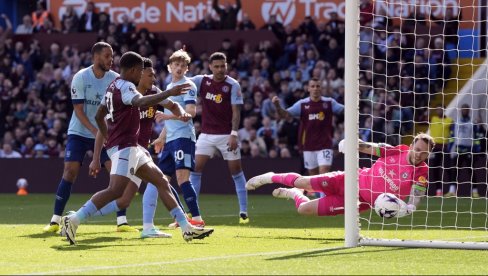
421 69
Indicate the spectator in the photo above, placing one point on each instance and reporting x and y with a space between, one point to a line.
39 151
244 132
103 22
246 24
27 149
69 20
89 20
439 163
309 27
26 27
206 24
126 27
8 152
40 16
275 26
258 144
465 148
228 15
365 12
267 132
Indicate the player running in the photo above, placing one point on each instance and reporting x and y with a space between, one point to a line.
130 161
400 170
147 115
178 143
87 89
221 115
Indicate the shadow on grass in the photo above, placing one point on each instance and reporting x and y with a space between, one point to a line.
336 251
330 240
55 235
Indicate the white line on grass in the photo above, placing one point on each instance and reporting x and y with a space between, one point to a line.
94 268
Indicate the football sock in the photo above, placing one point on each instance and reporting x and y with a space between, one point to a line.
121 213
240 183
196 181
177 197
190 197
88 210
299 199
178 214
62 196
287 179
149 204
111 207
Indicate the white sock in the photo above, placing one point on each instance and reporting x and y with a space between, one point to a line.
197 218
452 188
56 219
121 220
475 190
147 226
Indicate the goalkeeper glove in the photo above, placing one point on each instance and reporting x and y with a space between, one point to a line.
405 209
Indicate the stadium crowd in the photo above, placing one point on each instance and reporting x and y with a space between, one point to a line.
35 83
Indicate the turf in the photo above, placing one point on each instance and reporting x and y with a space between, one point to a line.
277 241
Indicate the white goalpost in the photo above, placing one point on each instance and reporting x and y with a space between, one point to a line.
406 60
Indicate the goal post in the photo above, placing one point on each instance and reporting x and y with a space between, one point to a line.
396 76
351 101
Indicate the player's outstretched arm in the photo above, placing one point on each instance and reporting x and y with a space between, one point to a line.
416 194
371 148
150 100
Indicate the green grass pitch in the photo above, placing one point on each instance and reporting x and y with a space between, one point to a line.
277 241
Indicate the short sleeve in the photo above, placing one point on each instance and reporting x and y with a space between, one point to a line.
191 96
337 107
236 94
197 80
77 89
296 109
128 91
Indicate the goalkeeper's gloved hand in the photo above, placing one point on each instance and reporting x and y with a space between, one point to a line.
341 146
405 209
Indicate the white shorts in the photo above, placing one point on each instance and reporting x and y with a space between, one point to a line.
127 161
208 144
314 159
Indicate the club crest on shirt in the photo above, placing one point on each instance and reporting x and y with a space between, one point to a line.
225 89
326 106
307 107
404 175
208 83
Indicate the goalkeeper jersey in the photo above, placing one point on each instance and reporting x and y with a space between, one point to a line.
391 173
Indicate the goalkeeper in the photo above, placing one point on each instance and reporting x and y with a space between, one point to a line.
399 170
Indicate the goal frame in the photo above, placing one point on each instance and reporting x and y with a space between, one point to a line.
351 213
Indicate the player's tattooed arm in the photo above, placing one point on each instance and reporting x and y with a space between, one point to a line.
282 112
150 100
236 116
371 148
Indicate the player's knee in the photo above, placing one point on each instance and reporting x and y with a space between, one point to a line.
114 193
306 210
70 173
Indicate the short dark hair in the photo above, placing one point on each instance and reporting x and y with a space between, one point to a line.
313 79
217 56
130 59
99 46
147 62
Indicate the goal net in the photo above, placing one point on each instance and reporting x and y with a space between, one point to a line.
421 67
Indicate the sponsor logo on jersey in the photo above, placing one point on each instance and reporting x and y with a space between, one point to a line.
214 97
149 113
316 116
394 187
